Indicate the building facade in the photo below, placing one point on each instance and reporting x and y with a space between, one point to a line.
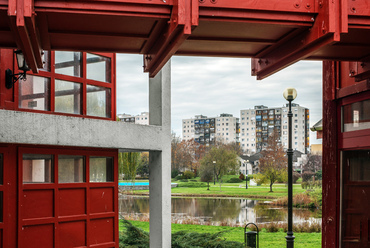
141 119
258 123
59 145
206 130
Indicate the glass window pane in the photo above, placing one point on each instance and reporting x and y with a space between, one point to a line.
34 93
98 68
37 168
359 164
98 101
101 169
68 63
356 116
1 168
71 169
67 97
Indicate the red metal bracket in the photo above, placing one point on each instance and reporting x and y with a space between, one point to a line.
330 22
359 70
184 18
22 18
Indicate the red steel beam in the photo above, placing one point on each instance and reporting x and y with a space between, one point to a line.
184 18
21 15
151 9
330 23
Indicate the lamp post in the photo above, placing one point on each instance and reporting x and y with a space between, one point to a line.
290 94
246 175
214 172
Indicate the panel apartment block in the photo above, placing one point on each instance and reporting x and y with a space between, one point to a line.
258 123
206 130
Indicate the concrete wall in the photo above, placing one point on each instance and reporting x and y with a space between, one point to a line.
46 129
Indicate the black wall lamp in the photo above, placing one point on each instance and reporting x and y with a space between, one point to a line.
10 78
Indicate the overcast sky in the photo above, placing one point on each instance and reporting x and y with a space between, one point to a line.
211 86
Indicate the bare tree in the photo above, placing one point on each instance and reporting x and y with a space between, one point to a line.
313 163
185 154
273 163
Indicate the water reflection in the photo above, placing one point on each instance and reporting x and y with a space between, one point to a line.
216 211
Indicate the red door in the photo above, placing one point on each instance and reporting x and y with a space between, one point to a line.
2 153
356 199
67 198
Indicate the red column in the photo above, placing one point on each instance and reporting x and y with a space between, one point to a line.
330 161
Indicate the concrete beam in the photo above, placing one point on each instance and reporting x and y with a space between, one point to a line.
160 162
47 129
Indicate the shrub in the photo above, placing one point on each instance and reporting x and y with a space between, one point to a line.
241 176
135 237
188 175
272 227
304 185
193 184
259 179
174 173
178 177
307 176
318 175
184 180
193 180
296 176
234 180
185 239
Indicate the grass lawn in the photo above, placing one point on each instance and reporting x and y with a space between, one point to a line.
239 190
232 190
267 240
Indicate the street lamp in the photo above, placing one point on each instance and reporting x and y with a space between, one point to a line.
214 172
246 175
290 94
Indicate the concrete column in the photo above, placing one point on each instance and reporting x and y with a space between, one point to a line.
160 161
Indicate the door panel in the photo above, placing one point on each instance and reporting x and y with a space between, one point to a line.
2 153
356 192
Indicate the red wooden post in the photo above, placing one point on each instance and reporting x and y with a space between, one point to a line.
330 161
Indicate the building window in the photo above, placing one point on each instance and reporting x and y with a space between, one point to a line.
101 169
68 63
63 88
71 169
67 97
98 101
98 68
1 171
37 168
34 93
356 116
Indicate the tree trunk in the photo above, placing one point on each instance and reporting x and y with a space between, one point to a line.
271 187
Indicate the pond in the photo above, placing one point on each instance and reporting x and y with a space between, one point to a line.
216 211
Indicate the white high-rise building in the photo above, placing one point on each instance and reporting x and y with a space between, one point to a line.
258 123
206 130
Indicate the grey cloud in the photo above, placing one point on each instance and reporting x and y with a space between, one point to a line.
211 86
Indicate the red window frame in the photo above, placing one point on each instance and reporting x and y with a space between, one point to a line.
354 139
82 80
